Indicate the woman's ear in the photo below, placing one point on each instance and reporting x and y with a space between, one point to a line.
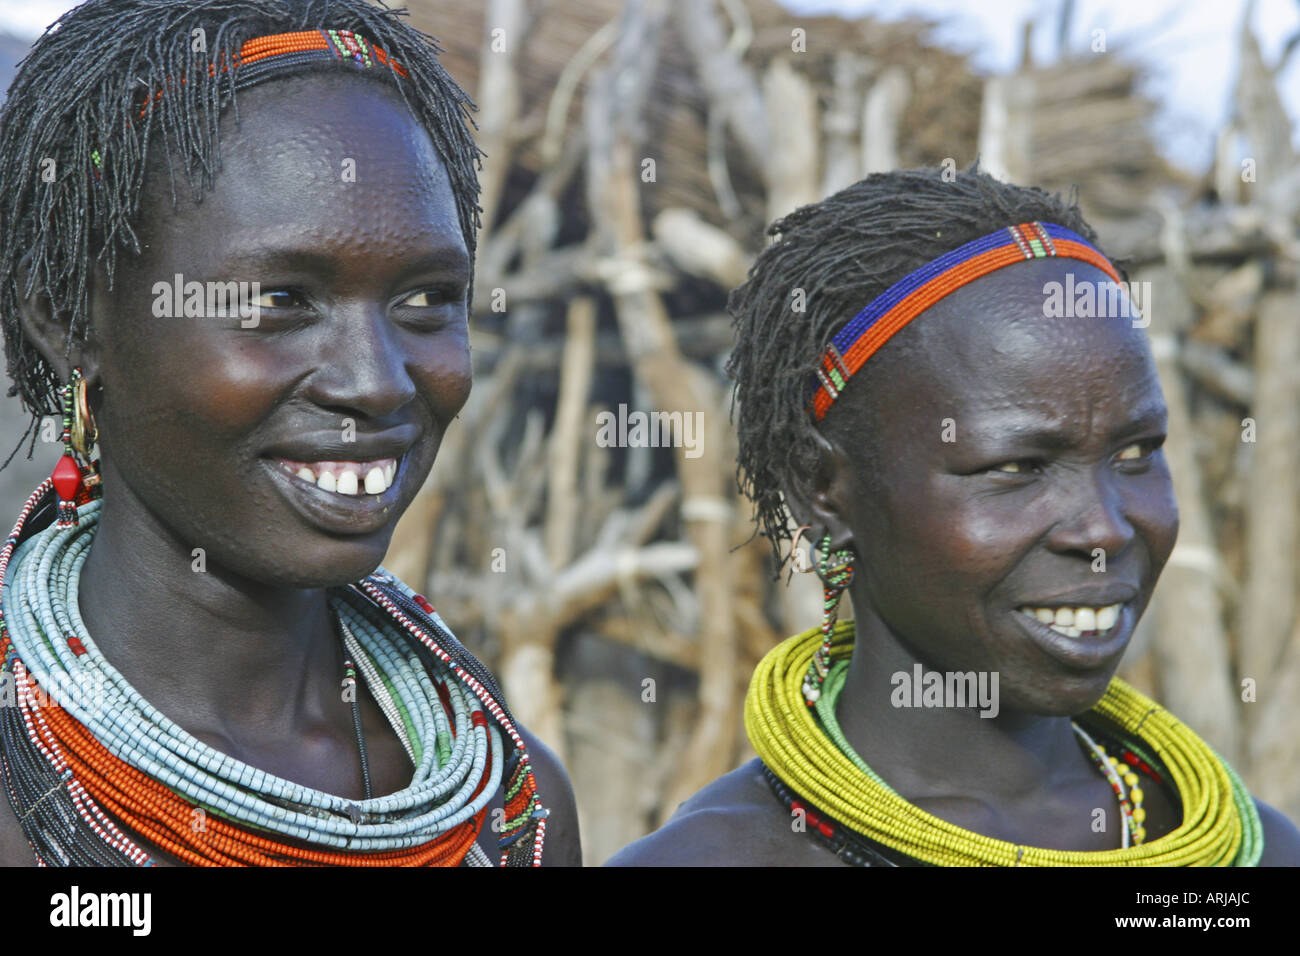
821 500
47 329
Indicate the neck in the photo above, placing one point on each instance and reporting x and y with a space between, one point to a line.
214 650
926 752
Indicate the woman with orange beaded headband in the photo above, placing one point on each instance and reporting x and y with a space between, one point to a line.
233 679
961 454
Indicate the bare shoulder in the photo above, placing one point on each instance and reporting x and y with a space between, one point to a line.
1281 838
734 821
563 842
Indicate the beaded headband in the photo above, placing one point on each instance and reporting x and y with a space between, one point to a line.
910 296
283 50
265 56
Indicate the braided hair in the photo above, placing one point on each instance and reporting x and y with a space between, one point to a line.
832 258
77 100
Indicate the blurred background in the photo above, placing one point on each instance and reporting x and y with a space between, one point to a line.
636 152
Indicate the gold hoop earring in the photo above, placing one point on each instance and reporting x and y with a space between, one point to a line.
85 431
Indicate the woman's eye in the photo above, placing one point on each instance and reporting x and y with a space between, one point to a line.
1135 448
1020 467
430 298
279 299
1140 449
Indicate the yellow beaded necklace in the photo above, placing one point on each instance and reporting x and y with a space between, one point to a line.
1220 825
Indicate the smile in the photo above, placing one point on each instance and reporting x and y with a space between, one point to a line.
341 497
1075 621
345 477
1083 637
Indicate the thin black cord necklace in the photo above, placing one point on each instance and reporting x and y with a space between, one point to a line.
351 692
350 680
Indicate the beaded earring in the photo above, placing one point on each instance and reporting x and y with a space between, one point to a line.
76 476
835 568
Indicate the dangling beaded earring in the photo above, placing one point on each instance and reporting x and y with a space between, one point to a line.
835 568
76 477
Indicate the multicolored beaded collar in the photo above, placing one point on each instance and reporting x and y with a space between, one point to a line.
263 57
910 296
95 774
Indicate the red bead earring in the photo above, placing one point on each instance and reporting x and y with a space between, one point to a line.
76 477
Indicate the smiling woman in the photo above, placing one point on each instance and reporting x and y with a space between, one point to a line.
192 602
982 474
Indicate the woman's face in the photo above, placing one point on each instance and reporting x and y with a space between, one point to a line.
333 200
1017 453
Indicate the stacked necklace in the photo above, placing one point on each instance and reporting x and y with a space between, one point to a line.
1130 799
806 754
93 770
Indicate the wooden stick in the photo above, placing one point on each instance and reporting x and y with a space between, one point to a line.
1189 644
727 81
505 27
882 121
791 171
840 122
568 434
497 248
1217 373
1272 490
1275 756
700 249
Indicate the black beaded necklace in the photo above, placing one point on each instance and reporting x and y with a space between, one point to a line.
853 848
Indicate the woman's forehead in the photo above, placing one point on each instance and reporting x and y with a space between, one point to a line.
1000 346
322 154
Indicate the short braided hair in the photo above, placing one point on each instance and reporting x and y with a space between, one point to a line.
78 96
839 254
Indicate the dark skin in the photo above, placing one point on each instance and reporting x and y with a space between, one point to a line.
952 538
363 317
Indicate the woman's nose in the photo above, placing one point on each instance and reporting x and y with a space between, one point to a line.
362 366
1093 518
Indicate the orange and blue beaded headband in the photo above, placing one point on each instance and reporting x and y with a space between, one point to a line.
903 301
265 56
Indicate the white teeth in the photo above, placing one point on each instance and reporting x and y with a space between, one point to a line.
1073 621
346 477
